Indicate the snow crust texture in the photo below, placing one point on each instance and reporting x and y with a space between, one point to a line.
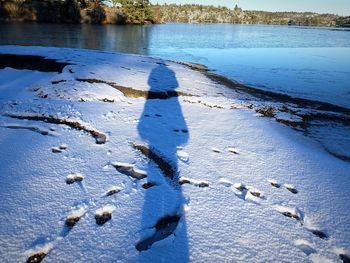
120 158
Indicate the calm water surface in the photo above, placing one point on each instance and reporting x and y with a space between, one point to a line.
312 63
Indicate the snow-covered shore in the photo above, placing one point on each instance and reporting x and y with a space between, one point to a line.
123 158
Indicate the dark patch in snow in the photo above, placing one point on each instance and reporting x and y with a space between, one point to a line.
255 193
131 172
319 233
30 128
71 179
203 184
57 81
36 258
113 191
292 189
291 215
345 258
101 219
56 150
31 62
184 181
135 93
148 185
107 100
274 184
71 221
164 228
306 115
99 137
273 96
164 165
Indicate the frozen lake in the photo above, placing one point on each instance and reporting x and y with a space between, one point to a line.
311 63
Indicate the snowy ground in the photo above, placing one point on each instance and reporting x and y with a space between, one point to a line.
127 158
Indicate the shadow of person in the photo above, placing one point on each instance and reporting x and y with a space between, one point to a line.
163 129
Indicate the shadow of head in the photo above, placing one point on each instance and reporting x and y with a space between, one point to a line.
162 80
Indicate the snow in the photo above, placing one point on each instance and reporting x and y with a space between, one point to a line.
222 222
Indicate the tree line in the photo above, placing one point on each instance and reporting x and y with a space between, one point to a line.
194 13
143 12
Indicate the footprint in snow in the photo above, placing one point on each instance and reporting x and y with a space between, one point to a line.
274 183
291 188
76 177
248 193
290 212
74 217
37 255
225 182
60 148
201 184
305 246
104 214
113 190
233 150
309 226
216 150
252 190
164 228
129 170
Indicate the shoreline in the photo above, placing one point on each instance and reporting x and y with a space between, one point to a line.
297 113
316 111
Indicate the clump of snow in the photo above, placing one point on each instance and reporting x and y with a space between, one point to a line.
183 156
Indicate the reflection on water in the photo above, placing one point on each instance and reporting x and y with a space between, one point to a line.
128 39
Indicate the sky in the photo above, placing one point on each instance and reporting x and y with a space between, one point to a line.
340 7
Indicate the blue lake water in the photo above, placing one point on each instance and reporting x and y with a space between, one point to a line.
312 63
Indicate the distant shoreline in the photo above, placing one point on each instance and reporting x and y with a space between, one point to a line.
73 12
